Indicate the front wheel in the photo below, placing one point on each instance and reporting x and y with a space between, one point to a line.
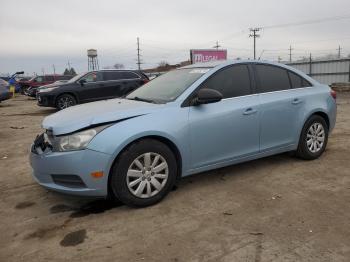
64 101
144 173
313 138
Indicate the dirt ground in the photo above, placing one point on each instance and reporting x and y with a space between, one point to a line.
273 209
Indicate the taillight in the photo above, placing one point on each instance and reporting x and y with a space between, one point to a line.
333 94
145 81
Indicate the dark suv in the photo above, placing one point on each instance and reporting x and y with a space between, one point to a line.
91 86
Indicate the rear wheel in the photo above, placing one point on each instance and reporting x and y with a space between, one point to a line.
64 101
144 173
313 139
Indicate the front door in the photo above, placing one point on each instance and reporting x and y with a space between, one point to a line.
93 88
228 129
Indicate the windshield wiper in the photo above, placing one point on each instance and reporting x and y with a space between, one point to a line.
136 98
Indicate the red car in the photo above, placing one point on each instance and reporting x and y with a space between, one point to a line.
30 87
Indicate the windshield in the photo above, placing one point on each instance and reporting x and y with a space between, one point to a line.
72 80
167 87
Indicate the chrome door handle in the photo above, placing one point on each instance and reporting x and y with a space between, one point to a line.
250 111
296 101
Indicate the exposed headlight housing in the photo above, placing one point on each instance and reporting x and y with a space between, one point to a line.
76 141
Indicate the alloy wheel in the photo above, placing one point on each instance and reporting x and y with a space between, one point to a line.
147 175
65 102
315 137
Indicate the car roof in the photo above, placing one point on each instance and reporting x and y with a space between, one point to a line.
213 64
113 69
219 64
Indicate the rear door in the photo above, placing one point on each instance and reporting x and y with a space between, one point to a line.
120 83
228 129
280 107
112 81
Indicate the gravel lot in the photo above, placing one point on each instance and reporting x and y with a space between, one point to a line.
273 209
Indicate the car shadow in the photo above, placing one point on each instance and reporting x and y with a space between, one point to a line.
82 207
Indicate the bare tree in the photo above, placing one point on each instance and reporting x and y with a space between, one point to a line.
163 64
118 66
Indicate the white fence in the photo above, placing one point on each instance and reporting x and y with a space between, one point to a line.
326 71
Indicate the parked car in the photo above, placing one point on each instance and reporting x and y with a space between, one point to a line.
4 90
91 86
30 87
190 120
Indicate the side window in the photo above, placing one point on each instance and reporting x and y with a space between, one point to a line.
129 75
272 78
39 79
230 82
92 77
110 75
49 78
297 81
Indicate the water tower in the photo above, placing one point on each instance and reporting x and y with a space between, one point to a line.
92 59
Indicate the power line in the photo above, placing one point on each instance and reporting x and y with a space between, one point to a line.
308 22
254 35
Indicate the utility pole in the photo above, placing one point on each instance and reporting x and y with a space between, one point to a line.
217 45
54 69
138 54
43 71
254 35
310 65
339 50
290 53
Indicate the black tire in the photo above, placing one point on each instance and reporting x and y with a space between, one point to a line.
303 151
65 101
118 181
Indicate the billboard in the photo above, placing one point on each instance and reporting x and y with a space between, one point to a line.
206 55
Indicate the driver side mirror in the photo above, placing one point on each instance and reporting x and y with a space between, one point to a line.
82 82
206 96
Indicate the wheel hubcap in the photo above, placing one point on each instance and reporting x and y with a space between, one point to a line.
315 137
65 102
147 175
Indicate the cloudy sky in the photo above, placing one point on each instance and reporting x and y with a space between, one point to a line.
35 34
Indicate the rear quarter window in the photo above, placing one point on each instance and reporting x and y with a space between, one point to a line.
298 81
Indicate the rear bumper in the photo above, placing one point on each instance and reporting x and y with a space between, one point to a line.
70 172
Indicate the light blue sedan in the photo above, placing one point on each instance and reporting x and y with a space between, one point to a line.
190 120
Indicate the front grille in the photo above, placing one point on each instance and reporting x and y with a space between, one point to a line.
72 181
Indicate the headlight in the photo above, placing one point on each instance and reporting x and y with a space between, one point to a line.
76 141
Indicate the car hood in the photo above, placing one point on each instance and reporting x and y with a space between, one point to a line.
82 116
51 85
